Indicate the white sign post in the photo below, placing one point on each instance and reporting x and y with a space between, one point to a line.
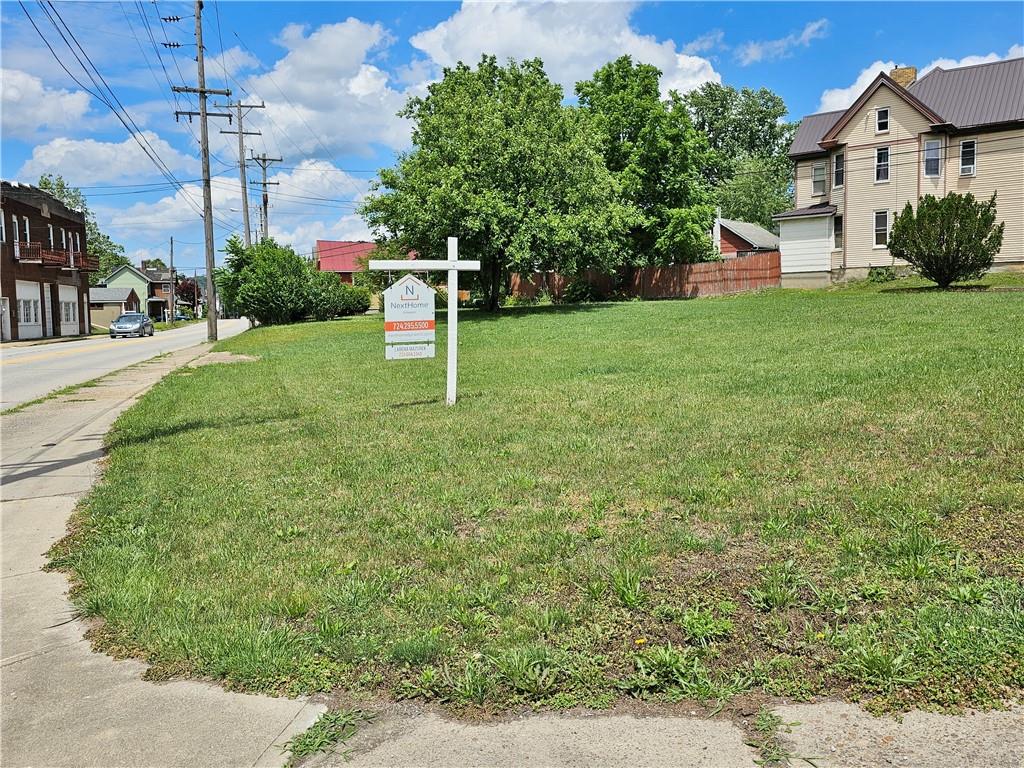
453 266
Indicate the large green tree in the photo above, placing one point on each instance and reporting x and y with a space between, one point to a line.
110 254
749 140
652 148
500 162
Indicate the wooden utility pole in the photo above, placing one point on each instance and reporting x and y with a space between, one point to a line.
204 142
242 133
263 161
173 286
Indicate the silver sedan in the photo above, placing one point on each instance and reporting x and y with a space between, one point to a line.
131 324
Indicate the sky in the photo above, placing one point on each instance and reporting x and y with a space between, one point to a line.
333 75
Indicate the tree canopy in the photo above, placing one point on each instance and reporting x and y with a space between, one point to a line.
110 254
501 163
653 150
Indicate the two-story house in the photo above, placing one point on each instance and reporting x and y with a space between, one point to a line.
958 130
44 286
152 286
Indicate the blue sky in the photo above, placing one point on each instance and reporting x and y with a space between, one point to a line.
333 75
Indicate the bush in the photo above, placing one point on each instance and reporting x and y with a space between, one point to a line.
355 300
948 239
881 274
329 297
274 286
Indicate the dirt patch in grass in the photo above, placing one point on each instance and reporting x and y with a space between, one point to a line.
211 358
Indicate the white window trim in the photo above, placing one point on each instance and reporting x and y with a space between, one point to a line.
924 159
28 236
874 229
974 165
63 239
17 228
3 227
888 165
49 234
838 246
835 160
824 179
888 119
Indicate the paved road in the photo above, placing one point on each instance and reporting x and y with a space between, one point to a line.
27 373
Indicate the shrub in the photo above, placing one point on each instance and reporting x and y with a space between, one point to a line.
325 295
354 300
881 274
948 239
274 285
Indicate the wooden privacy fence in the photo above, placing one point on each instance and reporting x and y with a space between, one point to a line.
747 272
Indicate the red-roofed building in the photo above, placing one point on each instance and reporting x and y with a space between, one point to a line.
343 257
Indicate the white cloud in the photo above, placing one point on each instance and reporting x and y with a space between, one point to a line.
27 106
234 60
841 98
766 50
706 42
572 42
323 96
89 162
1015 52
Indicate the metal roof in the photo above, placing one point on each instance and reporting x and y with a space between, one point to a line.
103 295
811 129
973 96
818 209
756 235
965 97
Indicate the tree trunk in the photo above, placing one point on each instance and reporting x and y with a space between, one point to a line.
494 290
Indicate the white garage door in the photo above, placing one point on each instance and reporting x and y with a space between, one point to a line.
804 244
68 314
27 310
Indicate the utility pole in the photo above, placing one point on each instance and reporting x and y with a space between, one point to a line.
239 106
174 306
204 141
263 161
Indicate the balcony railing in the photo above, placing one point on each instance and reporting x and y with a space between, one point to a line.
28 252
53 258
87 263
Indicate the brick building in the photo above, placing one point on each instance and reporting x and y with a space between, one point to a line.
44 285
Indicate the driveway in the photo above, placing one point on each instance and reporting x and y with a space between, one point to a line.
31 372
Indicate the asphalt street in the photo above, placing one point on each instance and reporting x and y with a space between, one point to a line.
30 372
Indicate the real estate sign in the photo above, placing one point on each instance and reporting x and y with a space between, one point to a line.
409 319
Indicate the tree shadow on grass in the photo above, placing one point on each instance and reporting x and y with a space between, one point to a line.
121 440
472 315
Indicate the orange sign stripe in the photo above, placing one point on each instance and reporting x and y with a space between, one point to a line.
409 325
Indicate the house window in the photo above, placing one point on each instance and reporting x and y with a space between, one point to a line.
28 311
881 164
968 157
28 238
818 179
49 234
63 239
881 229
882 120
14 228
3 227
839 170
68 311
78 244
837 229
931 157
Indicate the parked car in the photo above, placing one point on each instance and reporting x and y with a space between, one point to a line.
179 317
131 324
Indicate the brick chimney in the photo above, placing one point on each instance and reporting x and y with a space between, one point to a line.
905 76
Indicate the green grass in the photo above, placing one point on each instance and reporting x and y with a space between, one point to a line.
167 326
794 492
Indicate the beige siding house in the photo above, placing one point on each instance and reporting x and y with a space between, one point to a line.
958 130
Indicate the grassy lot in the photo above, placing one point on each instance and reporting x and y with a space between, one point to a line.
784 494
167 326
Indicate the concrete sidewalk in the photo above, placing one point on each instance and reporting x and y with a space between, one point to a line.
62 704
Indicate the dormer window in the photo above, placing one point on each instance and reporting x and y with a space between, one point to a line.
818 179
882 120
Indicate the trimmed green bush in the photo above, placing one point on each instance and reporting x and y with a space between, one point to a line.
949 239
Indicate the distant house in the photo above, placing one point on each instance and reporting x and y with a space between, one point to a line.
152 286
732 237
956 130
107 304
343 257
